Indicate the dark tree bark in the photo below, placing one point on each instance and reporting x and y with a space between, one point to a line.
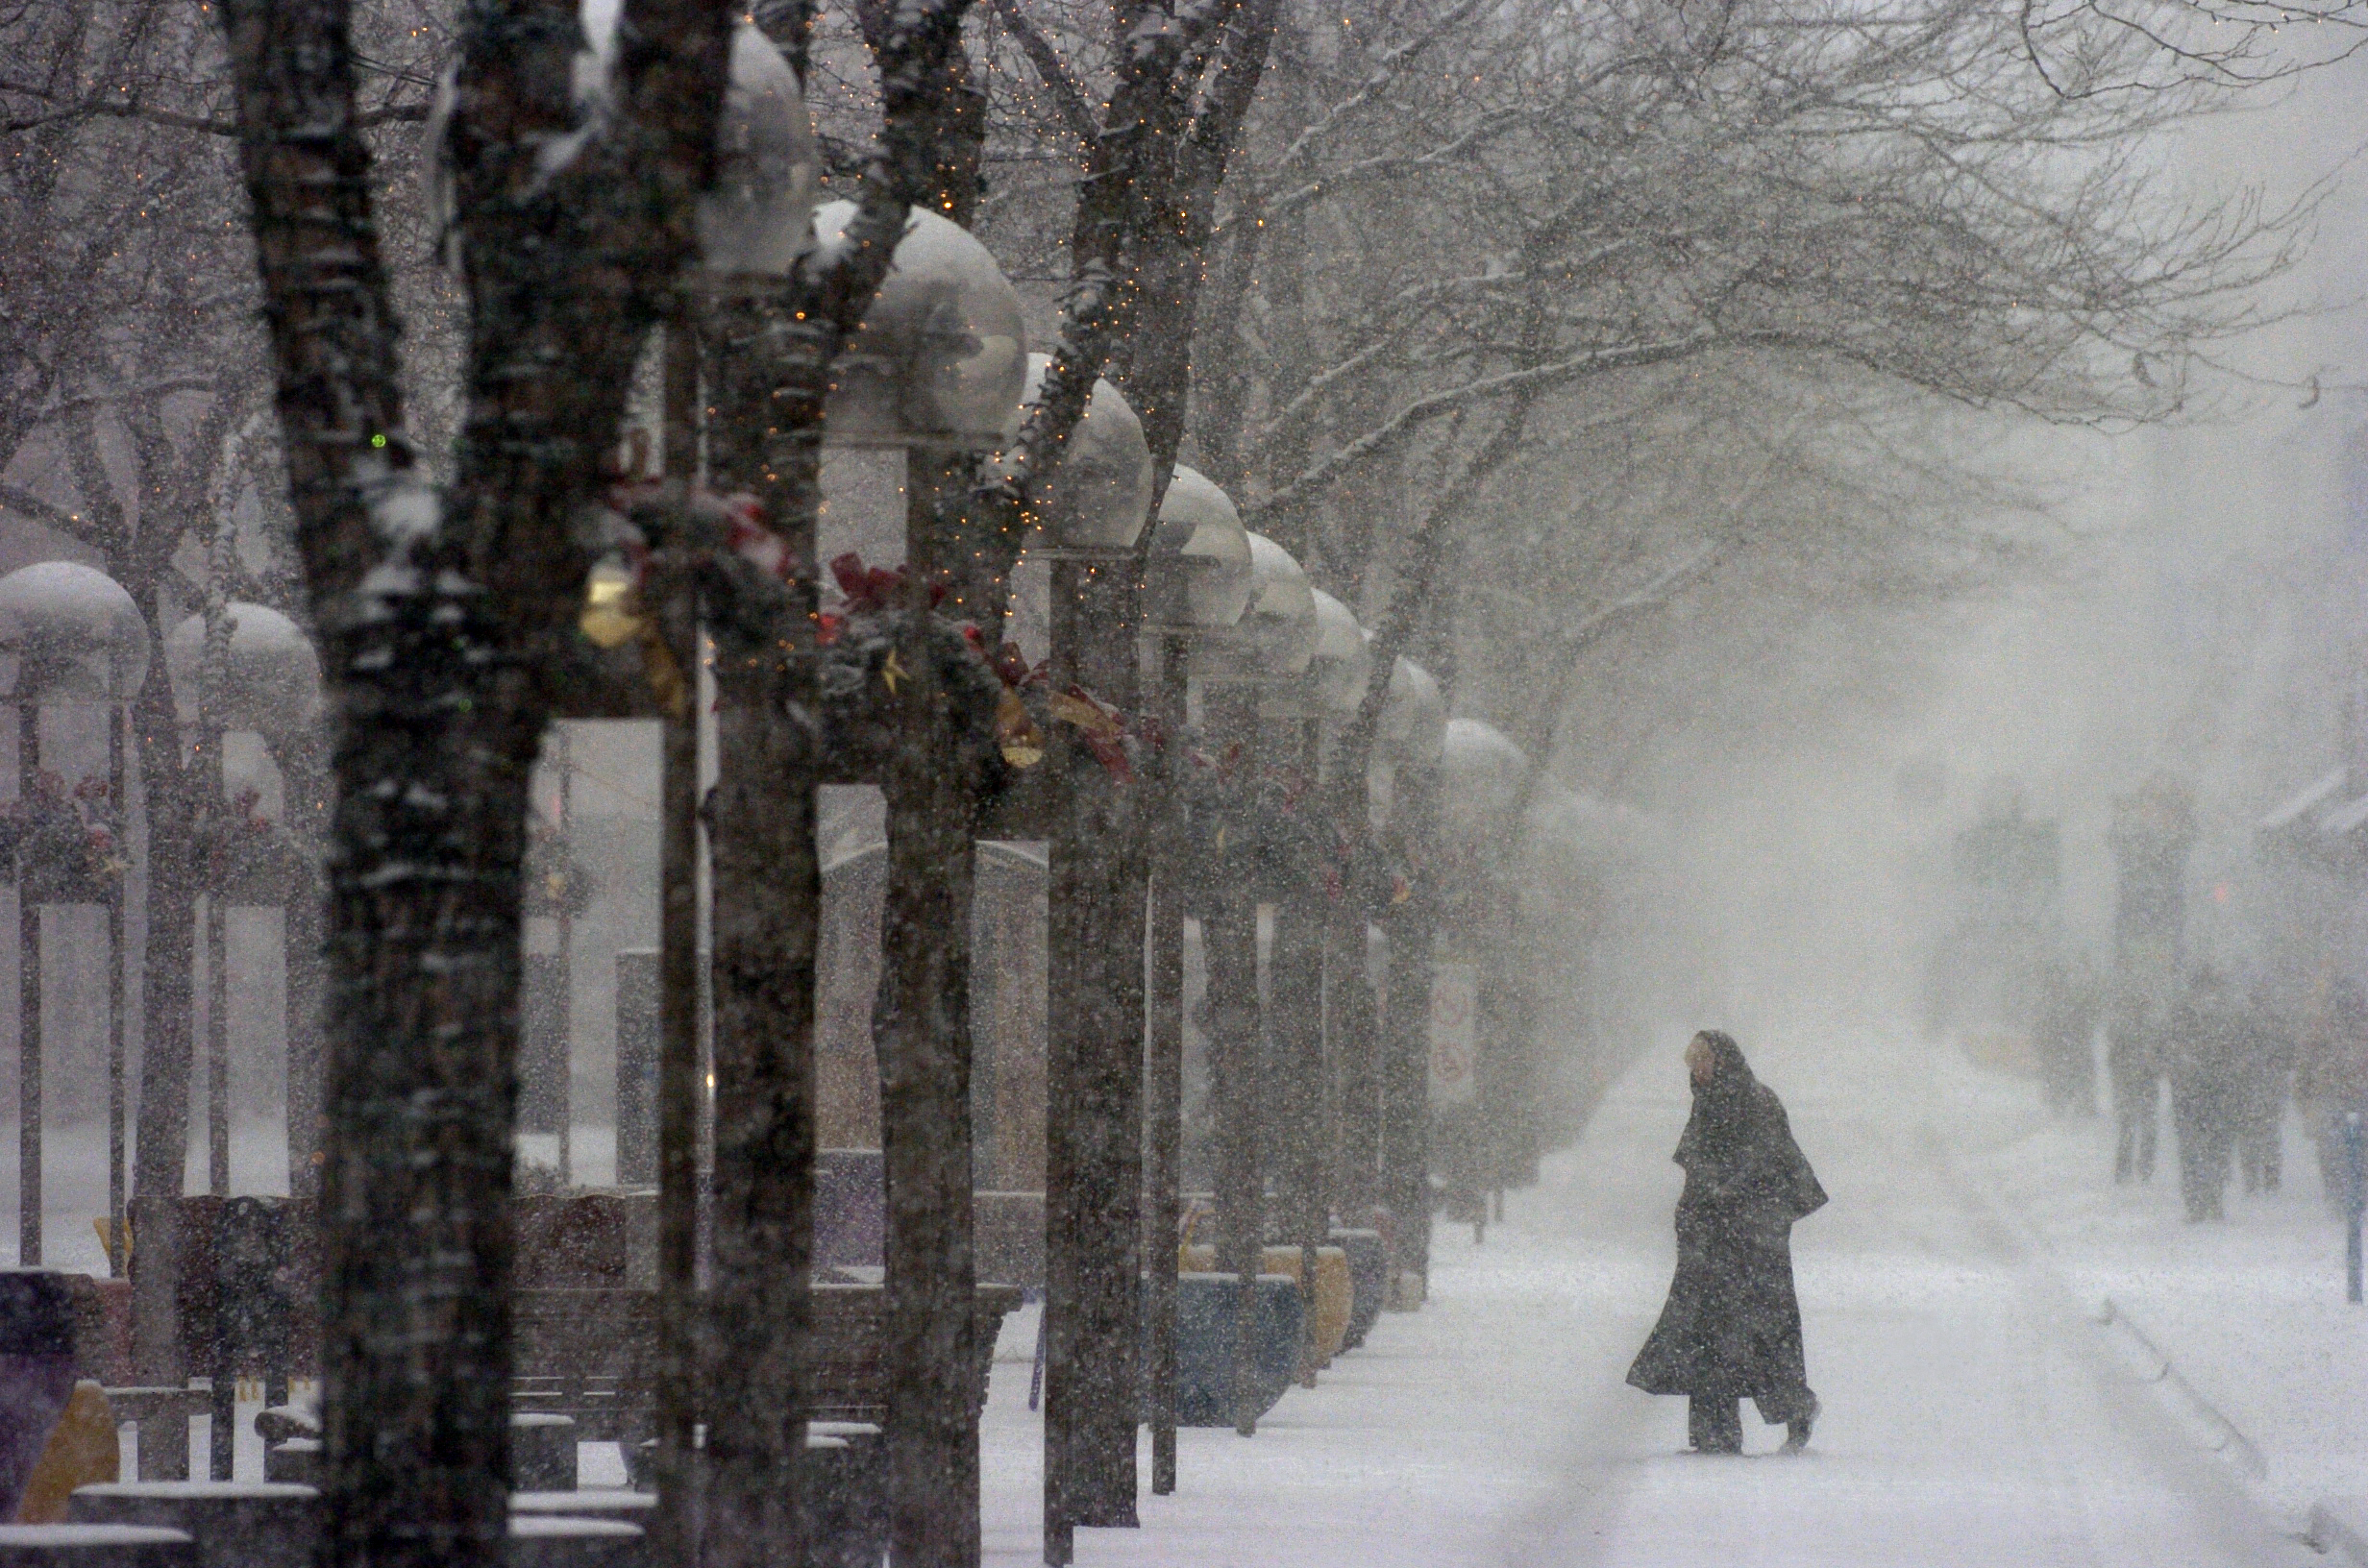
434 615
1295 1130
920 1030
767 883
1349 1019
166 1040
675 1534
1229 947
1230 940
1298 1137
1162 1079
1094 1078
921 1020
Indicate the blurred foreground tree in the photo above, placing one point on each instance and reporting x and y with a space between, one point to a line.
445 613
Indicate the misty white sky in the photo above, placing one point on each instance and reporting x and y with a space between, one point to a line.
2198 628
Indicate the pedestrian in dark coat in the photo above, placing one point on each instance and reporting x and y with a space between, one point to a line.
1731 1327
2133 1062
2265 1082
2331 1080
2207 1043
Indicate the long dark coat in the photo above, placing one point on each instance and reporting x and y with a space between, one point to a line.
1732 1325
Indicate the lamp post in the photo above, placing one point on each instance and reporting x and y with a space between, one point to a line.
934 369
1200 581
241 668
76 638
263 680
1094 512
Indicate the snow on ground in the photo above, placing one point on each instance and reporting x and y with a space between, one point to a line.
1974 1414
2250 1313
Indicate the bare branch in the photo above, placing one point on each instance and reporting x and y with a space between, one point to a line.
1323 474
1068 101
44 510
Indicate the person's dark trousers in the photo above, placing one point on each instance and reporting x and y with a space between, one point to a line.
1782 1407
1714 1423
2134 1115
2203 1150
2260 1150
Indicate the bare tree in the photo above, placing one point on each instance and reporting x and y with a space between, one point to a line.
1586 198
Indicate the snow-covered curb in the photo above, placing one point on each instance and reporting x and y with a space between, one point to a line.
2145 1358
2217 1432
2239 1330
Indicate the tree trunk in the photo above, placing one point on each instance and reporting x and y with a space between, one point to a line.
1162 1079
1230 945
162 1148
1093 1077
1294 1105
767 881
425 923
767 890
1229 942
1348 1009
922 1032
1299 1136
675 1535
29 1035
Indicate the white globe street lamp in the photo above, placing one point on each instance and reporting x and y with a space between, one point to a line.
941 354
74 636
1101 494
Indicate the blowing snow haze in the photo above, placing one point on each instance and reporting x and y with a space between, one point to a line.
1414 784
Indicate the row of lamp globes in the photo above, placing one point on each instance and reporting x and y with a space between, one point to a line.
70 633
941 361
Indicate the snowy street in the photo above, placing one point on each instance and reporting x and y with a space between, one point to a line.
1974 1412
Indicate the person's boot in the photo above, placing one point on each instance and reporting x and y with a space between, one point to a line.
1796 1430
1715 1425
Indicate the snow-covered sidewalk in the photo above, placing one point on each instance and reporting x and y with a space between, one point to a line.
2250 1313
1973 1416
1425 1447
